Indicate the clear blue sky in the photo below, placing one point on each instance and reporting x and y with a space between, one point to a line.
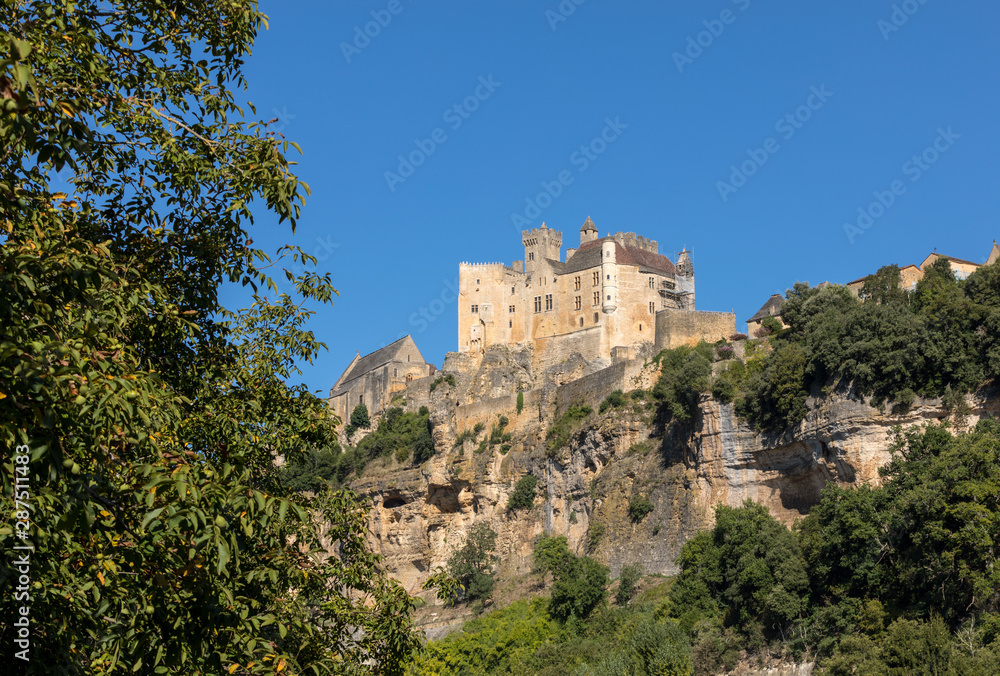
887 90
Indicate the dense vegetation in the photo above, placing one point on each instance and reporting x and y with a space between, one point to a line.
149 415
890 345
404 436
900 579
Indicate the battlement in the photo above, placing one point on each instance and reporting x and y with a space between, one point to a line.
536 235
486 266
630 239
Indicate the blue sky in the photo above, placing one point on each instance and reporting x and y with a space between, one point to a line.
691 89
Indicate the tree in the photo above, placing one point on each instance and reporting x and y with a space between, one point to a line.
523 496
151 415
473 564
551 555
580 587
630 575
359 417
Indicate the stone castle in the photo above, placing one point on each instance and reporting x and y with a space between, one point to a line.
611 298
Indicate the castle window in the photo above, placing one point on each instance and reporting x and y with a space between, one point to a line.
597 318
510 324
577 282
531 256
548 302
652 308
538 303
409 377
475 309
597 298
510 309
579 303
597 278
609 276
652 282
512 290
395 373
581 321
609 297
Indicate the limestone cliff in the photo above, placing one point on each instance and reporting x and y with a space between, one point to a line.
421 515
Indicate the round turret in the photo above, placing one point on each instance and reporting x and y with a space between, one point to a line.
609 277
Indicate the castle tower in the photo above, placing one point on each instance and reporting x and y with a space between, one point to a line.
685 280
540 243
609 277
588 233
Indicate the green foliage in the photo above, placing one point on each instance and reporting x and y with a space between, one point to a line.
885 287
359 417
152 415
447 378
579 587
562 429
776 397
614 400
523 496
643 447
771 324
551 555
520 402
402 454
686 374
594 534
749 564
397 430
473 564
639 506
627 579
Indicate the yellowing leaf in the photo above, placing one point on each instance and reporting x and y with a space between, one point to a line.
101 578
66 108
2 395
233 667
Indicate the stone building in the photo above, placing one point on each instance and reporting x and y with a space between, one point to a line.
772 308
911 274
602 299
373 379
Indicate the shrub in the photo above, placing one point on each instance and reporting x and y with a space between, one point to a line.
473 564
686 373
462 437
446 378
579 588
520 402
482 446
762 332
402 455
637 394
643 447
737 337
594 535
523 496
724 351
562 429
477 429
772 324
639 507
614 400
627 580
359 417
424 411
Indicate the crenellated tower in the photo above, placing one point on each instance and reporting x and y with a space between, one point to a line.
685 280
609 277
539 244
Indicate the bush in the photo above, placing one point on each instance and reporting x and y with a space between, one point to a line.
523 496
772 324
686 373
614 400
402 455
725 352
447 378
359 417
737 337
520 402
562 429
579 588
594 535
473 564
639 507
627 580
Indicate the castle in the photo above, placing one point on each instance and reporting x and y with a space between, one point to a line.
611 298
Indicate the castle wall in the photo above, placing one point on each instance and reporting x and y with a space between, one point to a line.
557 349
592 389
488 412
681 327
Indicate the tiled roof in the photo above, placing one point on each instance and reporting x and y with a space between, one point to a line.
589 256
770 309
369 362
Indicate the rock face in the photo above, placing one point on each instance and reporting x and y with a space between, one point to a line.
421 515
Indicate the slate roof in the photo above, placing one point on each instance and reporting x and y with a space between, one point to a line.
369 362
770 309
589 256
